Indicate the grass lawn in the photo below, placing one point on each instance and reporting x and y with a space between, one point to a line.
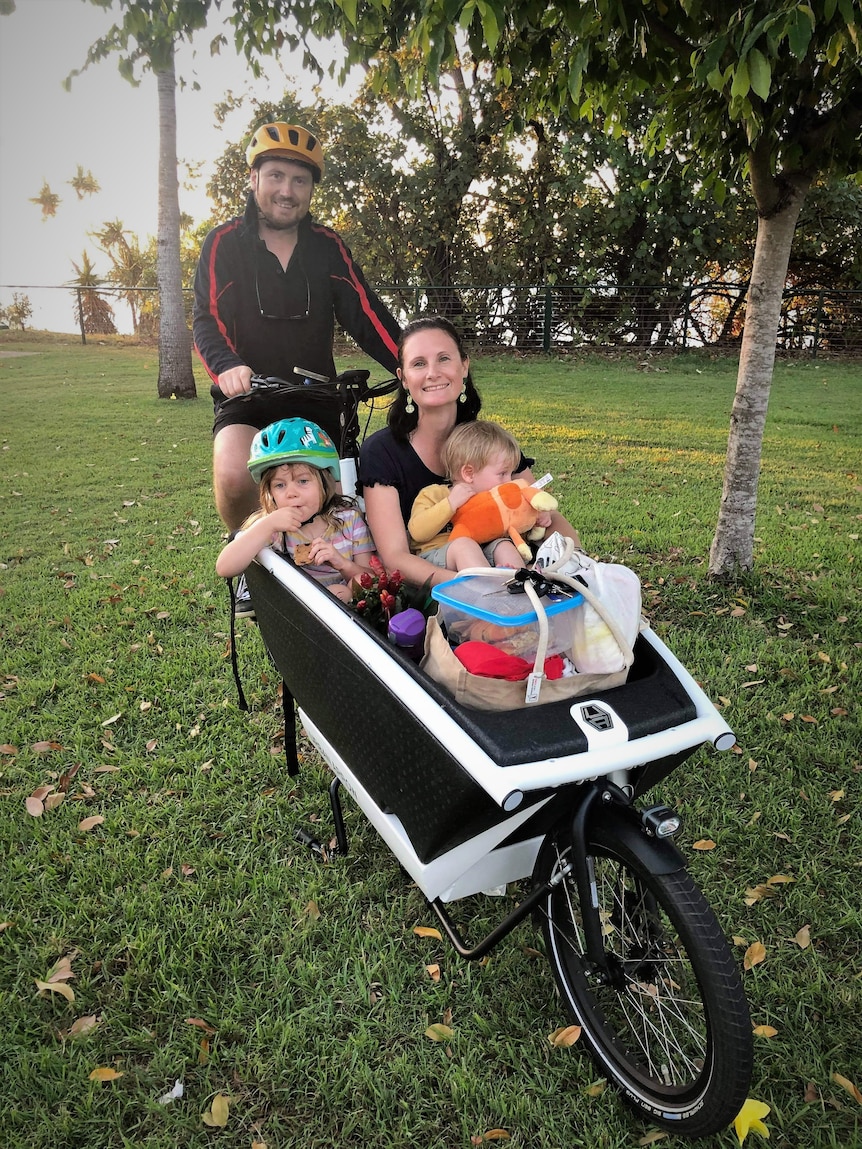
207 947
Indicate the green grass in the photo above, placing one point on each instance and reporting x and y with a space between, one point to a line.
115 648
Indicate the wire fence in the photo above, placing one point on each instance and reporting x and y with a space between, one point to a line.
815 322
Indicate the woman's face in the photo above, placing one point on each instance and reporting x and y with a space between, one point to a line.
432 369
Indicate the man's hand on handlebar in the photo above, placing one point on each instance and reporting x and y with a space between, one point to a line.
236 381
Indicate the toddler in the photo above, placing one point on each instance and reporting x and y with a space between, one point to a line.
477 456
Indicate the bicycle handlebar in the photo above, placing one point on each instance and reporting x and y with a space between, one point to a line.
354 380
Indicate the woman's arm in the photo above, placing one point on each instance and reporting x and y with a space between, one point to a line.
383 515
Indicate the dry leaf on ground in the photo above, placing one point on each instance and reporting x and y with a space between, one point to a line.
845 1083
64 990
439 1032
87 824
565 1036
84 1025
754 955
105 1073
217 1114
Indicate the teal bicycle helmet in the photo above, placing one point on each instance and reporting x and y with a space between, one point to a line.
292 441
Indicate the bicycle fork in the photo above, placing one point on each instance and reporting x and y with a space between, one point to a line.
646 833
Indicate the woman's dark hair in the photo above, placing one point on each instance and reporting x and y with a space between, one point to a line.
400 423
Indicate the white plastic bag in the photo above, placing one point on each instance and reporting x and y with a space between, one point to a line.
604 630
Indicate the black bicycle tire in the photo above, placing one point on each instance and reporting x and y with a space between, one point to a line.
713 1098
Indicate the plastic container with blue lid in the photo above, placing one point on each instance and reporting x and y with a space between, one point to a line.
479 608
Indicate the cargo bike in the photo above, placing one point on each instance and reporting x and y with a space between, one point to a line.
553 797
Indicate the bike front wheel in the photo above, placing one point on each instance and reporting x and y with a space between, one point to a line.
667 1022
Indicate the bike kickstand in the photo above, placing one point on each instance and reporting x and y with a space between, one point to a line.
341 844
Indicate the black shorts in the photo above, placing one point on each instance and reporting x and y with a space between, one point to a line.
261 410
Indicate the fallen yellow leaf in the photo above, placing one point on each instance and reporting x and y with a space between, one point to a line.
217 1114
651 1138
313 910
433 971
439 1032
60 987
496 1135
750 1118
597 1088
841 1080
34 807
427 932
754 955
765 1031
565 1036
803 937
105 1073
704 844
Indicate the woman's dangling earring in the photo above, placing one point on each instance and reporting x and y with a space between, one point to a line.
409 409
462 398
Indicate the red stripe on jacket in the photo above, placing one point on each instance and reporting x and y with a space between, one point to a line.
353 280
214 294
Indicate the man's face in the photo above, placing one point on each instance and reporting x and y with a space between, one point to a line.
282 191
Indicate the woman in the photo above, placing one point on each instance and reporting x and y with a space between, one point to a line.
436 393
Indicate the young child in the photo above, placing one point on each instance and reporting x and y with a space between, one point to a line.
477 456
296 466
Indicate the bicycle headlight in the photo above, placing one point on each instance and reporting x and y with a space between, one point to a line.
661 822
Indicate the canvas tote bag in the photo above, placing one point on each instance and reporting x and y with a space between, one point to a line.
480 693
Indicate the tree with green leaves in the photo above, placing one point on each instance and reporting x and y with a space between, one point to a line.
145 37
93 313
770 90
17 313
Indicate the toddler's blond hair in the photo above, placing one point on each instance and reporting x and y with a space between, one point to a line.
476 444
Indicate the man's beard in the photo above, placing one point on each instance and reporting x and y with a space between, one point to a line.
273 224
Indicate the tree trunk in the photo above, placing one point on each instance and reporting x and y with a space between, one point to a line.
778 202
176 377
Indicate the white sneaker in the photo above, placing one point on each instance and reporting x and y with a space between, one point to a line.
243 606
557 555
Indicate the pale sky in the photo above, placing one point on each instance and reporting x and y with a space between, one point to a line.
108 127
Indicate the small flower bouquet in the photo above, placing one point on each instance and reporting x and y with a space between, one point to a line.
377 597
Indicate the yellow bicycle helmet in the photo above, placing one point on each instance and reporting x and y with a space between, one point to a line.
288 142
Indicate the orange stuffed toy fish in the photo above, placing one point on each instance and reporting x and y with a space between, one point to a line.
509 509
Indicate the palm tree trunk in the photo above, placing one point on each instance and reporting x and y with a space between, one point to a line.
779 201
176 377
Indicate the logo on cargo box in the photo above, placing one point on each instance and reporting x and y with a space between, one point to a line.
596 717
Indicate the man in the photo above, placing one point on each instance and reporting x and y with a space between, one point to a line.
268 289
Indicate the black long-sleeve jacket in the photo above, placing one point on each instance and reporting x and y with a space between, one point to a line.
239 284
